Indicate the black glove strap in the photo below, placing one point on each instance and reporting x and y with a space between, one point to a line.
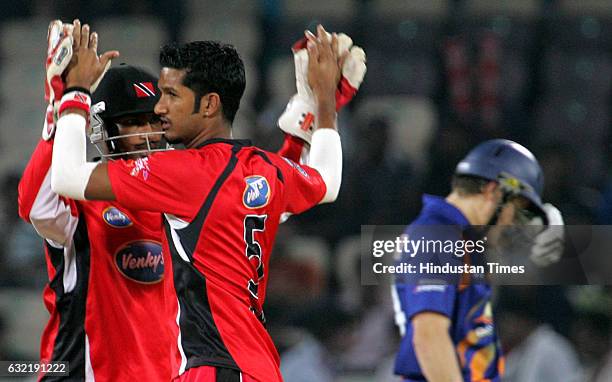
77 89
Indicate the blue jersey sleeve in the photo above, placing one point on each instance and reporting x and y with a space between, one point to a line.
427 298
421 292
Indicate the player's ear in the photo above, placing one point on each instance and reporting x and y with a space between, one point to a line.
210 104
489 189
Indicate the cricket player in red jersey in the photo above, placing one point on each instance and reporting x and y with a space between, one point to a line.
222 199
106 287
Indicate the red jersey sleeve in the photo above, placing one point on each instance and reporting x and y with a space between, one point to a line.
167 182
33 177
54 217
304 187
292 148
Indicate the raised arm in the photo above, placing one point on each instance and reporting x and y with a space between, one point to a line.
34 175
72 175
323 75
52 216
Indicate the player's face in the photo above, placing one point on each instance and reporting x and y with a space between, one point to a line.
139 124
514 224
175 107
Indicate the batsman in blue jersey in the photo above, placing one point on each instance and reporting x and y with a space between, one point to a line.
447 327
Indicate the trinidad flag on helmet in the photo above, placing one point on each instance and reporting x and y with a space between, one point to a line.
144 89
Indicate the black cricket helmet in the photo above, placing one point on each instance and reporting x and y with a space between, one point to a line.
124 90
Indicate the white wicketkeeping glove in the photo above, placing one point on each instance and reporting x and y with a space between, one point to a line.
549 244
59 54
299 117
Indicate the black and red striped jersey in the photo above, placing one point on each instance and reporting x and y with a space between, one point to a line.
107 275
222 204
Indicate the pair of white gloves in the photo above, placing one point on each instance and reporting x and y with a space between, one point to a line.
299 118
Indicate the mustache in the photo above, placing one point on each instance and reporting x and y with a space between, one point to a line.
152 145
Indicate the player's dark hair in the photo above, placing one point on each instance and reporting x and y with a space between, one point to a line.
210 67
468 184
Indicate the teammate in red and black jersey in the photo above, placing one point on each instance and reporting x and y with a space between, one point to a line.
105 294
222 199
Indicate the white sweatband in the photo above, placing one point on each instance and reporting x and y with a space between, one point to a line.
70 170
77 98
326 158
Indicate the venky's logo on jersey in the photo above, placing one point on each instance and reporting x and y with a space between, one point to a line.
141 261
115 218
257 192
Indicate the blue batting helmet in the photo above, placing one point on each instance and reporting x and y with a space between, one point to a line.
510 164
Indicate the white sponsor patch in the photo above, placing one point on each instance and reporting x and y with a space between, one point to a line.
429 288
